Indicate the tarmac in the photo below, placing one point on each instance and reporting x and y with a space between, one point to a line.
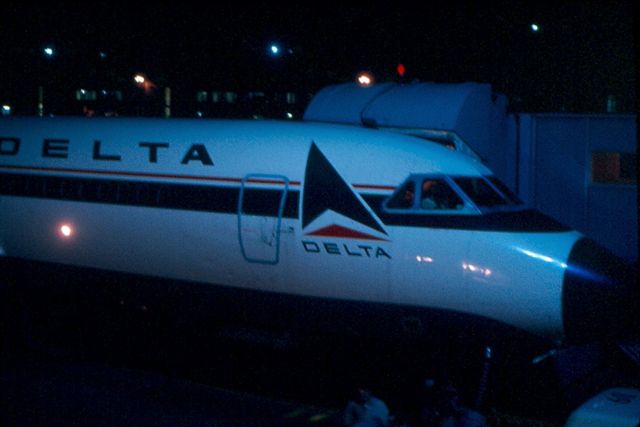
40 392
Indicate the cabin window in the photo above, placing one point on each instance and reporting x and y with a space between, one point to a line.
86 95
201 96
230 97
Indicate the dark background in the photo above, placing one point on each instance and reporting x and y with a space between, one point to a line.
583 53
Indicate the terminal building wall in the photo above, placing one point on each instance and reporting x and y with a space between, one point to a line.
582 170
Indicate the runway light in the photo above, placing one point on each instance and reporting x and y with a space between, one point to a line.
48 51
535 28
274 49
66 230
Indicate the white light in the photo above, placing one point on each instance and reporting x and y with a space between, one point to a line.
138 78
424 258
274 49
364 80
66 230
535 28
6 108
82 91
289 116
48 51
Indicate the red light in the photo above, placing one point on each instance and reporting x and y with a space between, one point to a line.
401 69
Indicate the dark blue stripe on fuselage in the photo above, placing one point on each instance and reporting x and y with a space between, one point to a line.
193 197
265 202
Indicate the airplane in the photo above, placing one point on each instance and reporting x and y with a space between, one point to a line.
301 225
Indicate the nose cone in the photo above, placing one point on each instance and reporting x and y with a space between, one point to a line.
600 296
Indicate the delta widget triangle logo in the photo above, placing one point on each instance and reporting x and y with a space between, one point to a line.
325 191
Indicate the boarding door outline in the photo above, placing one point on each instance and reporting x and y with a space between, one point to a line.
259 234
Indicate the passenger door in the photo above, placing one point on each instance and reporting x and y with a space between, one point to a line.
260 208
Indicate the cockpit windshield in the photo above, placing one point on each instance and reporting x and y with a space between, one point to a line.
426 194
486 193
440 194
437 194
506 192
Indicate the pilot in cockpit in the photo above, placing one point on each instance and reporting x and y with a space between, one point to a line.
407 196
431 197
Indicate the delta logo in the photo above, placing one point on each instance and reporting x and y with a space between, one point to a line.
335 219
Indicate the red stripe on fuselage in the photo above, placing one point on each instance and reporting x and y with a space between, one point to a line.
171 176
146 175
342 232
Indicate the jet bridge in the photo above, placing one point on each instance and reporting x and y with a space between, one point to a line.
469 116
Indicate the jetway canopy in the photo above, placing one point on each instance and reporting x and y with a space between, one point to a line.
415 105
472 111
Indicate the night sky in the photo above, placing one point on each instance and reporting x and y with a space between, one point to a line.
583 52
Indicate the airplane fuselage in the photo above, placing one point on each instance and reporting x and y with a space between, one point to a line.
306 213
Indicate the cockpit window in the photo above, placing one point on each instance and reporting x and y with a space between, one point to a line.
437 194
481 192
404 198
447 195
423 194
512 198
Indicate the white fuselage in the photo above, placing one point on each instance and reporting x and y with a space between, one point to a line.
163 199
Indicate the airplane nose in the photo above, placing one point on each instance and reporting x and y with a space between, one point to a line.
600 296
